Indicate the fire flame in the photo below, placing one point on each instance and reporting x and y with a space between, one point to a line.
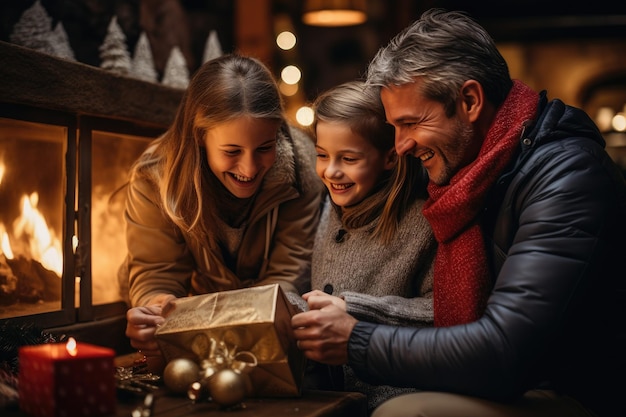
5 246
31 226
71 347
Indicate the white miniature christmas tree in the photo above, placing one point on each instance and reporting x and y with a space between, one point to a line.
61 43
212 47
114 55
33 30
176 73
143 60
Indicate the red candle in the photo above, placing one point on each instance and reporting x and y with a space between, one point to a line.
66 380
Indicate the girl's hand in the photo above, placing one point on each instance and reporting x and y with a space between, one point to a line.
141 326
317 299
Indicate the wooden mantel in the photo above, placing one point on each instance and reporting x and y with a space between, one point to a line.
36 79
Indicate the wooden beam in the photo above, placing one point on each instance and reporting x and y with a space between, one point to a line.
254 29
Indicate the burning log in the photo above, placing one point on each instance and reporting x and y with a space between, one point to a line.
27 280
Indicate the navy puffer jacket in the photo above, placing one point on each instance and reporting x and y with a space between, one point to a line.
556 317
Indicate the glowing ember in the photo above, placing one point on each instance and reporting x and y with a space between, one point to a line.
71 347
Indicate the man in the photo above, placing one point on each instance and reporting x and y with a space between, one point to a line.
529 213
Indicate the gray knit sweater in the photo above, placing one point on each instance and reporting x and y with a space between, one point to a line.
382 283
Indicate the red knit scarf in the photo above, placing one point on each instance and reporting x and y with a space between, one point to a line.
462 282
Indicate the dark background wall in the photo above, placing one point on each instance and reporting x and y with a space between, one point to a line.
327 55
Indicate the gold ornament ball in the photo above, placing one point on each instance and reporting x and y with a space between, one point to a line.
180 373
227 387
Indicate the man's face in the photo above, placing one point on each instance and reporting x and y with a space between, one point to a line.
443 144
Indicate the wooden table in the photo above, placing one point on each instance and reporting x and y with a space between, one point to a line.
310 404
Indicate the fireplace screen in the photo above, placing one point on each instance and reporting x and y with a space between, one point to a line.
32 183
112 156
62 180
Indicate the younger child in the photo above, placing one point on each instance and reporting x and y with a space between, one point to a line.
373 249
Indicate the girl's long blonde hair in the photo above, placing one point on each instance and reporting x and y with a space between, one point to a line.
222 89
359 107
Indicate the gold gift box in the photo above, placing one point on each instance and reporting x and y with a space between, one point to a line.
255 319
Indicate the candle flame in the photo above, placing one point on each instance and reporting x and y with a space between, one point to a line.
71 346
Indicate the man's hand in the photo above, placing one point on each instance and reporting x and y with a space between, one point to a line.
323 334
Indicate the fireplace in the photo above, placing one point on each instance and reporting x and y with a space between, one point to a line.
68 134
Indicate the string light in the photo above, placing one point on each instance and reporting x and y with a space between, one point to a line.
305 116
619 122
291 74
286 40
288 89
608 119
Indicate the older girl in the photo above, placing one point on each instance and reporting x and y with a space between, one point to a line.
226 198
